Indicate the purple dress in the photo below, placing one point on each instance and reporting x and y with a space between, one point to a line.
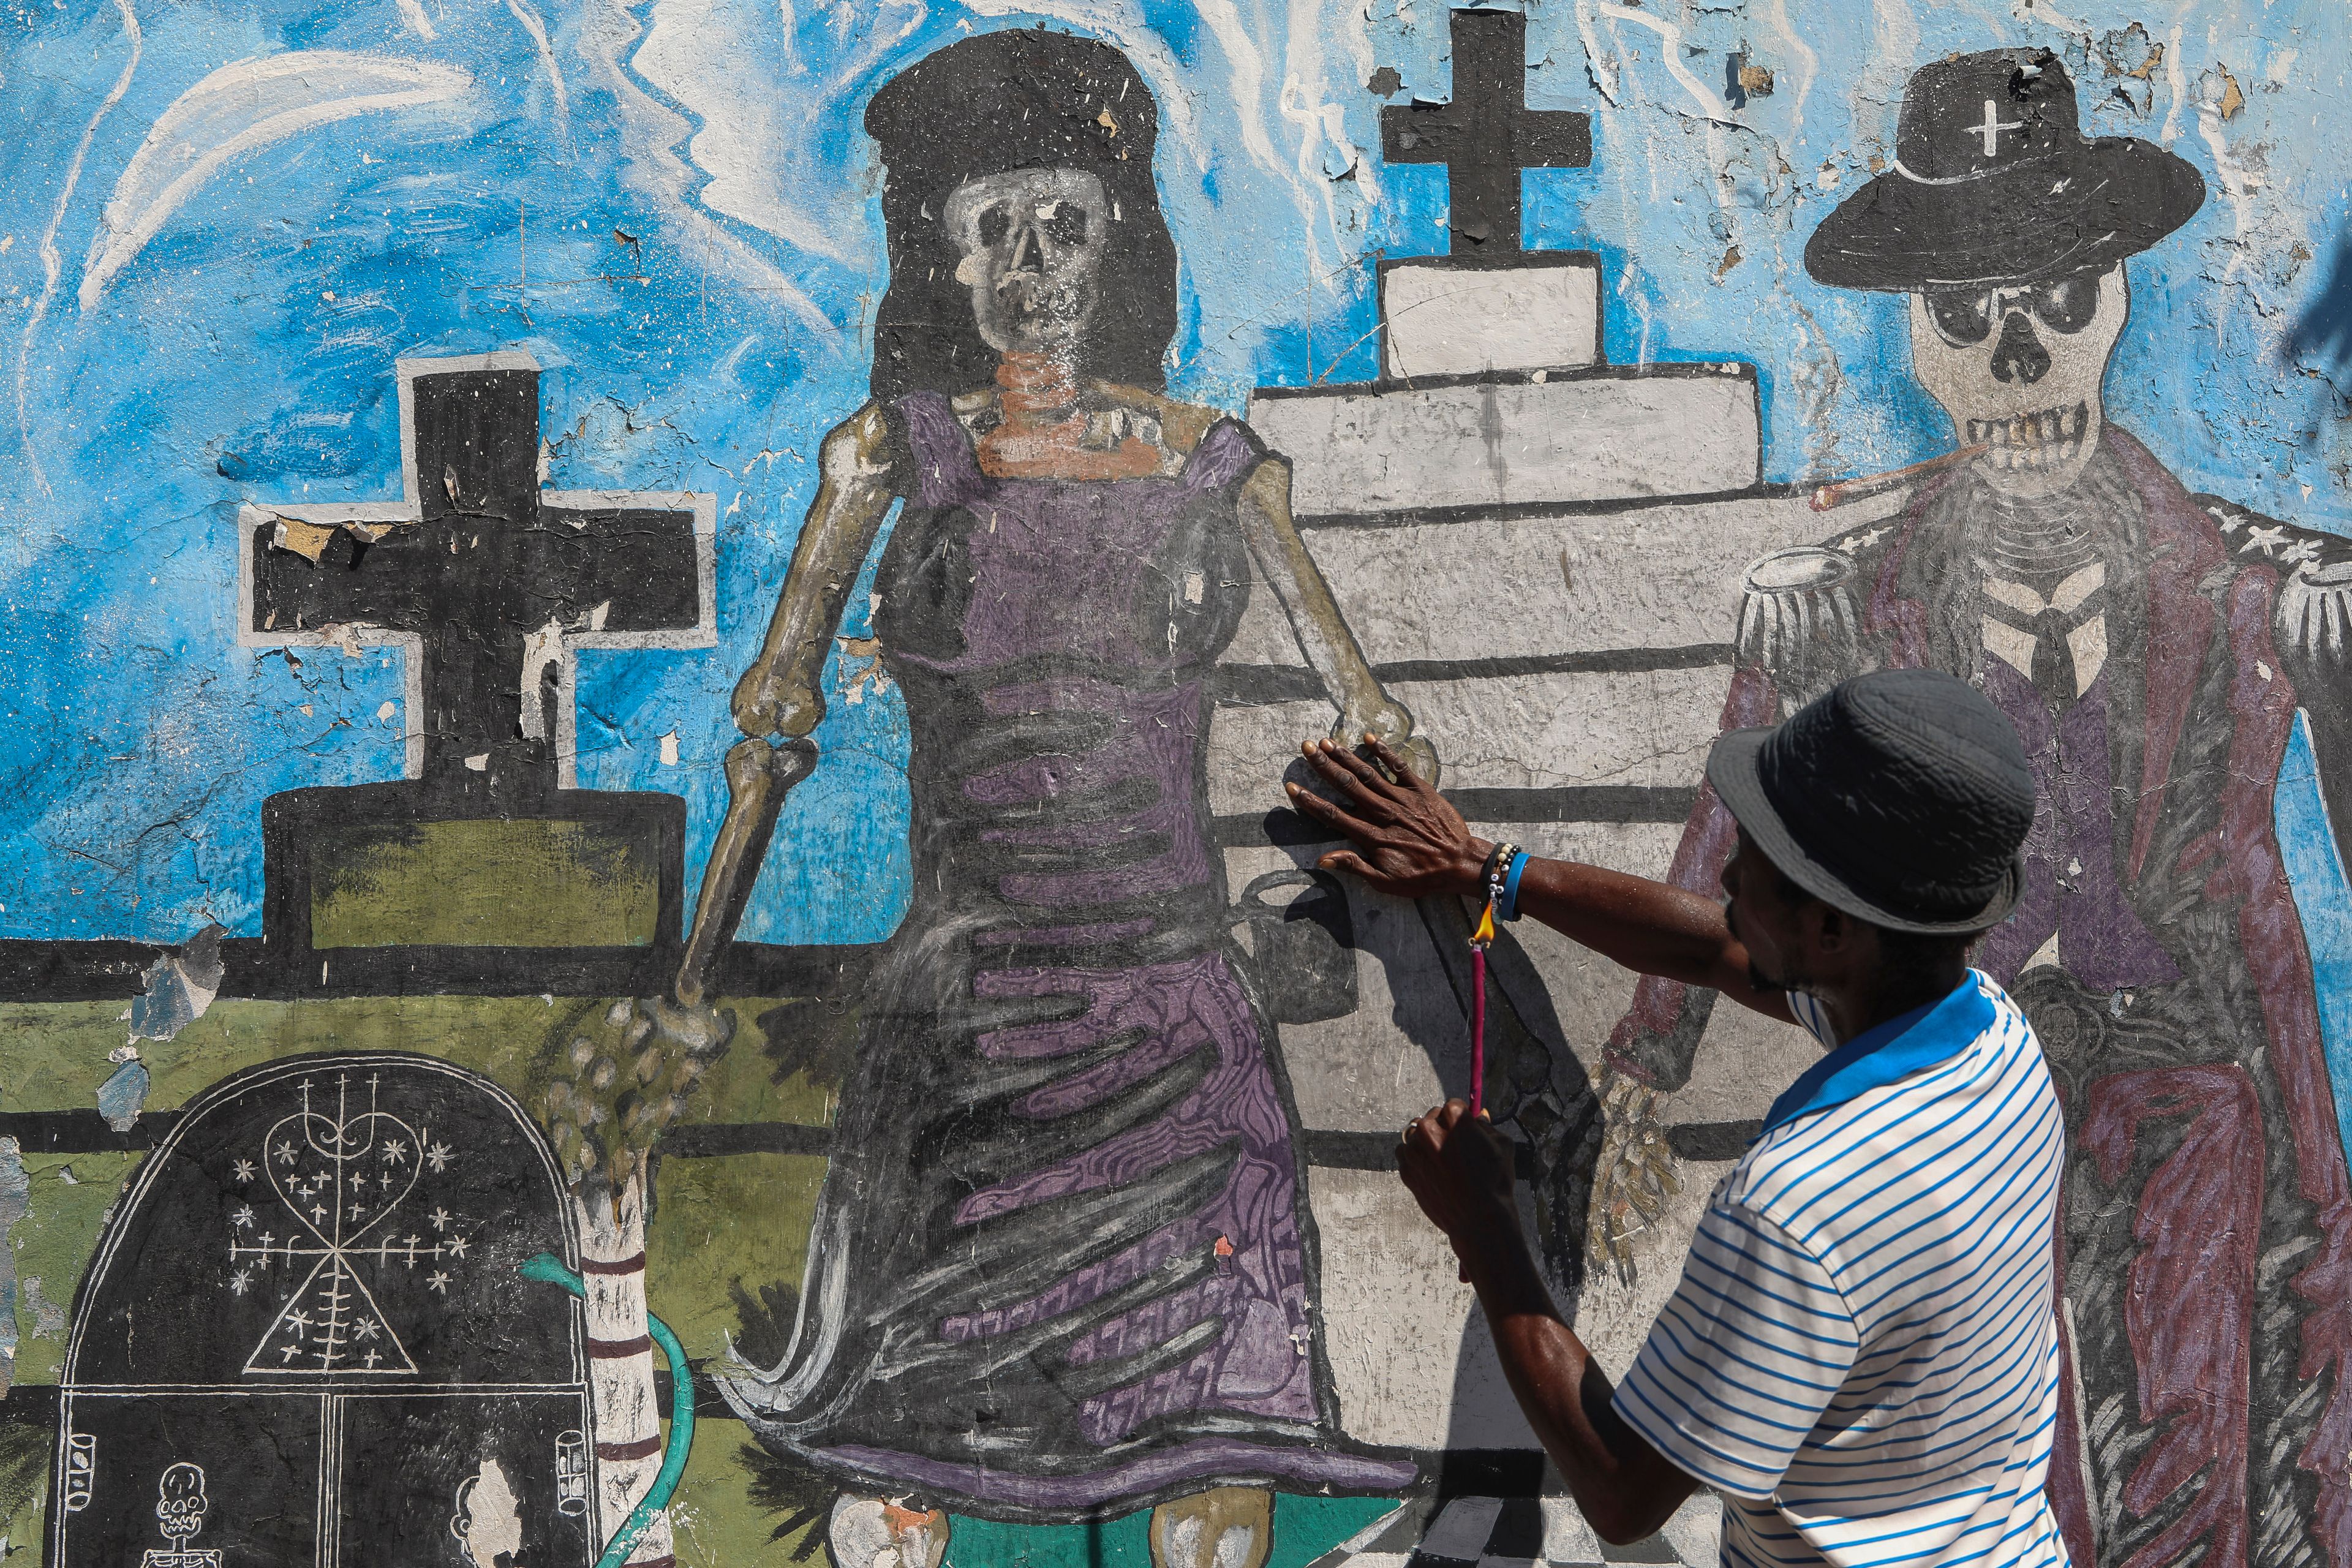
1062 1266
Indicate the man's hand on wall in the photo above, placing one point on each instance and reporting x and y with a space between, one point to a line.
1637 1170
1409 841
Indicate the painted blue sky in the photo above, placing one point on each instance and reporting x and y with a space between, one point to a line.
221 221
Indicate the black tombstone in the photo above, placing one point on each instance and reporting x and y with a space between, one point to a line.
484 869
304 1341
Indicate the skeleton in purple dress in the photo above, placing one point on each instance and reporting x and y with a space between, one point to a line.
1062 1266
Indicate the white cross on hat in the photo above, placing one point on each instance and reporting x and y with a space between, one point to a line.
1991 128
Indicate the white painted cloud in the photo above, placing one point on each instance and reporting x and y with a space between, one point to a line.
51 263
763 116
1807 63
1710 106
611 34
237 109
533 24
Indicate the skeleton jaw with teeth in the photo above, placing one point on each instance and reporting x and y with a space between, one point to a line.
2019 370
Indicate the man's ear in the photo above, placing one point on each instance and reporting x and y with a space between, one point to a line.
1834 930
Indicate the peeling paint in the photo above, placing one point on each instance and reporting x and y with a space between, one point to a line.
15 1202
180 985
125 1093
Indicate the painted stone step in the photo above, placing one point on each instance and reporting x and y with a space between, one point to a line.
1644 729
1522 1532
1608 581
1531 439
1451 315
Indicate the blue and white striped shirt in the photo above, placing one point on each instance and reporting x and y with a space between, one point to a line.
1863 1354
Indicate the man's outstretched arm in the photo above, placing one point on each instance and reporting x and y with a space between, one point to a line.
1409 841
1459 1169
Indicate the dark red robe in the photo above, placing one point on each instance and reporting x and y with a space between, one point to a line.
2203 1103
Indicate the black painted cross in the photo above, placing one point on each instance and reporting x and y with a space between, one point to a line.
483 868
484 578
1488 134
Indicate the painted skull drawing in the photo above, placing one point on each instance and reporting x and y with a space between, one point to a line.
2019 370
180 1503
1032 241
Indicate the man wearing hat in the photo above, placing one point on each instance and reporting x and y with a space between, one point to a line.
1862 1355
2160 654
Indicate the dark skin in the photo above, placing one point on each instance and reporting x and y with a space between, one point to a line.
1767 938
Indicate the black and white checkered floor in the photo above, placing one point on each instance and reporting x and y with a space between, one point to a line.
1520 1532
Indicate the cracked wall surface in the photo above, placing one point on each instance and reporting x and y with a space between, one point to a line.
1567 511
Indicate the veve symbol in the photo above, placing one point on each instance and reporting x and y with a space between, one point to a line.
341 1177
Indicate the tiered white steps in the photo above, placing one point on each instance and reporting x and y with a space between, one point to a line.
1543 562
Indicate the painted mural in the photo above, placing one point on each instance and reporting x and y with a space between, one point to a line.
646 915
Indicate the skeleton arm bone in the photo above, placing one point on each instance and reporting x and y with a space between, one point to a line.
780 696
1314 615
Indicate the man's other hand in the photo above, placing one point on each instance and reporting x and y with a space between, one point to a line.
1409 841
1458 1169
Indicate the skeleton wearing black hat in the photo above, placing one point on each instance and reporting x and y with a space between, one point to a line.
2158 651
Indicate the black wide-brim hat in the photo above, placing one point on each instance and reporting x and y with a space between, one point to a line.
1994 186
1022 98
1901 797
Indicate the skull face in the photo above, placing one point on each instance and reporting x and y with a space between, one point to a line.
181 1503
2020 369
1033 243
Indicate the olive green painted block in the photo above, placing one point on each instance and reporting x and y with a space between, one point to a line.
722 1229
68 1205
53 1055
491 882
715 1523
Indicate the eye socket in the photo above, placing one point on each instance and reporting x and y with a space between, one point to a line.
994 222
1067 224
1961 315
2068 304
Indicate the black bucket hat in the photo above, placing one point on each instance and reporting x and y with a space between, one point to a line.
1995 185
1901 797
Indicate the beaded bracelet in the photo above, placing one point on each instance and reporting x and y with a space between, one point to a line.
1496 875
1495 867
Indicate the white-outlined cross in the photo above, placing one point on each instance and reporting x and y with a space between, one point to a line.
1992 128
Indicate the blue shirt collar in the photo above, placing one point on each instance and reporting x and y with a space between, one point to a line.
1885 1052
